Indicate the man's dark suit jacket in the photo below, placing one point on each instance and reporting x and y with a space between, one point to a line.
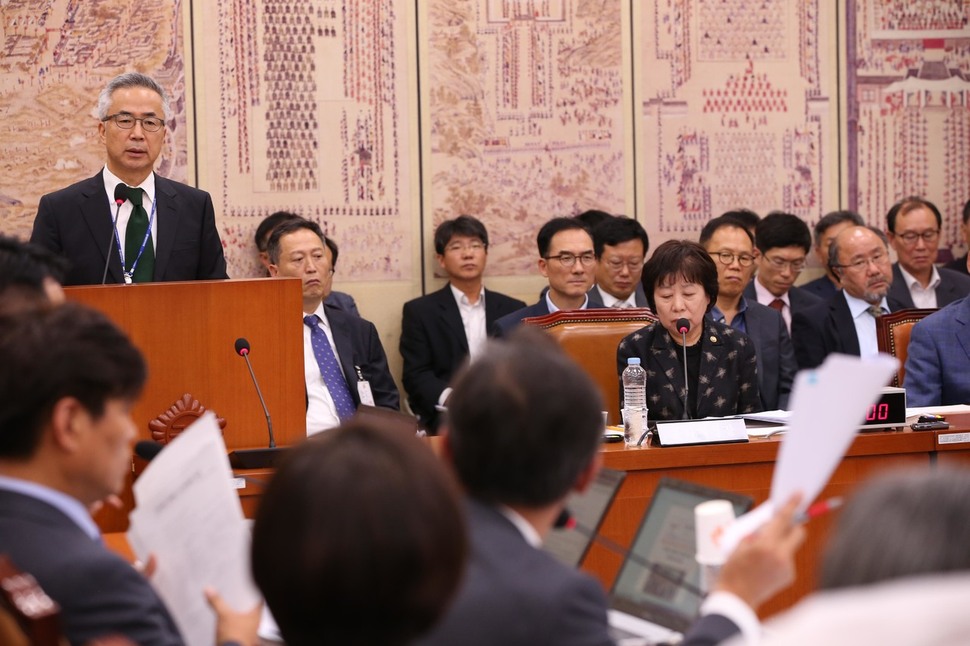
776 355
359 346
516 595
99 594
76 223
728 371
509 322
827 328
799 299
953 286
595 301
958 265
821 287
434 346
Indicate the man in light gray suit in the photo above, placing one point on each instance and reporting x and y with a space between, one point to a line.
732 247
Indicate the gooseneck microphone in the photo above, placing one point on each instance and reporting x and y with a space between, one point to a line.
121 194
565 522
242 349
683 326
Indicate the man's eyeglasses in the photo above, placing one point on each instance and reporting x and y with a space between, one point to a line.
458 247
860 265
910 237
127 122
726 258
569 259
780 263
617 264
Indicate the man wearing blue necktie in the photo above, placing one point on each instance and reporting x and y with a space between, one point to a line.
344 361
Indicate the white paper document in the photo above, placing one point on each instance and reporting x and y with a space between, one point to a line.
187 514
828 405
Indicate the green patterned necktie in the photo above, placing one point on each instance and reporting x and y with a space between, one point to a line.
134 235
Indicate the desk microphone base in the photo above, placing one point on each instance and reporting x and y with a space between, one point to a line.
255 458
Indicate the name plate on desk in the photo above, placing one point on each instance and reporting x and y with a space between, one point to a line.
953 438
701 431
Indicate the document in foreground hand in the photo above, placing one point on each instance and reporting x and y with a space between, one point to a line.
189 517
828 406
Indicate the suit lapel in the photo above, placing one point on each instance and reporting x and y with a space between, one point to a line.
451 316
843 326
167 215
344 340
99 218
898 291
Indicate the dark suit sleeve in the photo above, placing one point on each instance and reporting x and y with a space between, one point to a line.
45 232
924 378
212 259
422 385
807 339
376 371
709 630
581 615
787 366
124 604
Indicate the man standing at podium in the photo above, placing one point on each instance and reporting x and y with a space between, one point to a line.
344 362
127 224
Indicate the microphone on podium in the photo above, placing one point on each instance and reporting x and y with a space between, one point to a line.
254 458
683 326
121 194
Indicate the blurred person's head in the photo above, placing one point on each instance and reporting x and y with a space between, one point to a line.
902 523
69 380
359 539
461 248
29 275
620 245
566 259
859 257
829 226
913 226
680 281
783 241
731 245
265 230
524 423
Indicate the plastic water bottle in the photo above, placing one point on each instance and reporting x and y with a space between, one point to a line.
634 401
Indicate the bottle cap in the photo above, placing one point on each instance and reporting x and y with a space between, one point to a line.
633 361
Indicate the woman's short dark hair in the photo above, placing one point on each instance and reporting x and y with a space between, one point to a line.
359 539
680 258
903 523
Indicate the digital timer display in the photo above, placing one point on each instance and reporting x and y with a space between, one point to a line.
889 411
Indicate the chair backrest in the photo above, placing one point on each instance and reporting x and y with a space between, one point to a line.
590 337
892 335
27 615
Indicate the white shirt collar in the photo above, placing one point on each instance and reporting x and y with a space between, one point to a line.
462 299
765 297
111 181
912 282
857 306
552 306
609 300
525 528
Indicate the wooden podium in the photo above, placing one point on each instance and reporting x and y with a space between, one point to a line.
187 332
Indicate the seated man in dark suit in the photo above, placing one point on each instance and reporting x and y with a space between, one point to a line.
524 430
340 300
621 246
439 331
859 256
69 379
913 226
782 241
566 258
164 230
344 361
938 358
960 264
732 247
829 226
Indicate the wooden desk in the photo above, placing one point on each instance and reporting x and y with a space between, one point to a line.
747 469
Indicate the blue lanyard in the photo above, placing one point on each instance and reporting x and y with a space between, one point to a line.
121 252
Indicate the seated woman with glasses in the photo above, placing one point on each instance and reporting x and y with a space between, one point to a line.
680 281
